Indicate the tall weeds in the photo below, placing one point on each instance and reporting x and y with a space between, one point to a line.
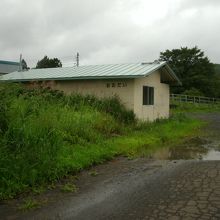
36 125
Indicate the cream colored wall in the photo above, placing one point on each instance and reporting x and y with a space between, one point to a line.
160 109
99 88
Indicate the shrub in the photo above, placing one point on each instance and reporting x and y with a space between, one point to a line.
193 92
111 105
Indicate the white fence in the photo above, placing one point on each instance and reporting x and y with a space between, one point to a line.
193 99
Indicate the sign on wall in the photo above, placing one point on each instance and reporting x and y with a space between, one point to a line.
116 84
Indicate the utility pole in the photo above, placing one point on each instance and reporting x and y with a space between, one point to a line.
20 63
77 59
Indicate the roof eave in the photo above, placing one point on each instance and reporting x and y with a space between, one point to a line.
177 81
73 78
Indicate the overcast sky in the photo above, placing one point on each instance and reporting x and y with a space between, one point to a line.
106 31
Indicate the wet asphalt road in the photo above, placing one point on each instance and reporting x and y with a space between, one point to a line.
186 190
143 189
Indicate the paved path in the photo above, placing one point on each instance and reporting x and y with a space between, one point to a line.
181 190
189 191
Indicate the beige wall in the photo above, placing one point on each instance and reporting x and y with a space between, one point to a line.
123 88
160 109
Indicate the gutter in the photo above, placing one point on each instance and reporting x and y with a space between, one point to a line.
73 78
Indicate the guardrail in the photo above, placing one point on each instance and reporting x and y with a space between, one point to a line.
193 99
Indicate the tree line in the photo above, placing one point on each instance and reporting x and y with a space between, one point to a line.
46 62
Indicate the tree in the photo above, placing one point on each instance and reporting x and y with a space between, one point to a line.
24 65
46 62
193 68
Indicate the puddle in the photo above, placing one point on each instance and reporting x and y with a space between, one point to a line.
195 148
212 155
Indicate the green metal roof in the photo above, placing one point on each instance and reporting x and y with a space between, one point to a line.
9 62
109 71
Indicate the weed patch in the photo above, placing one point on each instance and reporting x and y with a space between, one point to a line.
93 173
29 204
68 187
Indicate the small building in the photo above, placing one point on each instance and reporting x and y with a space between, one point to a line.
8 67
141 87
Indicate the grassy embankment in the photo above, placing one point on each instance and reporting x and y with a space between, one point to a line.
181 107
45 135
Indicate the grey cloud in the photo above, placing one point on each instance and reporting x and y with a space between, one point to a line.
103 31
200 3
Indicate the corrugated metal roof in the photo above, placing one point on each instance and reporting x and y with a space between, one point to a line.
109 71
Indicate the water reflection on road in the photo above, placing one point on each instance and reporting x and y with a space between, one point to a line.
196 148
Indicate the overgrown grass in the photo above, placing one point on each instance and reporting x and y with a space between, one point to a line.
194 107
45 135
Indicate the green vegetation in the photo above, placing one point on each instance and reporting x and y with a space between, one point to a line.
93 173
178 107
29 204
68 187
217 79
45 135
195 71
38 190
46 62
217 69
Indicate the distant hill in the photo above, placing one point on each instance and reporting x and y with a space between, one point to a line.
217 68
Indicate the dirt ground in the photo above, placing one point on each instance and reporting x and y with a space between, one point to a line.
180 183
